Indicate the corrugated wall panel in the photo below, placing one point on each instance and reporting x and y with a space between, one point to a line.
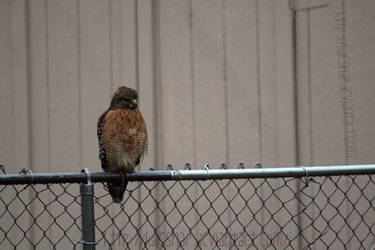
360 35
20 73
242 119
64 85
209 83
74 61
6 86
176 89
39 85
215 82
95 74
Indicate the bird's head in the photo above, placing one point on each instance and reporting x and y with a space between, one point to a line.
124 98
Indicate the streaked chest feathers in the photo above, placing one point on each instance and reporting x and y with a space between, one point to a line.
124 139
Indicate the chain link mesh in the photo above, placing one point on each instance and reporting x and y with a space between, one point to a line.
271 213
40 216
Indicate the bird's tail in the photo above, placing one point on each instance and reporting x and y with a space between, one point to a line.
117 190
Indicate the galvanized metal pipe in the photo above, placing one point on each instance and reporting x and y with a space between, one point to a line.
203 174
87 211
251 173
46 178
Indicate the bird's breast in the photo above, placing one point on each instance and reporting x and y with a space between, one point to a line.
124 138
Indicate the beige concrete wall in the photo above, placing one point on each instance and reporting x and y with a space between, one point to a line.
215 79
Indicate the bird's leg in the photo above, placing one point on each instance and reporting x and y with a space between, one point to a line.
123 177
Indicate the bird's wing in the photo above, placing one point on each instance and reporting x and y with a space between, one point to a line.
102 153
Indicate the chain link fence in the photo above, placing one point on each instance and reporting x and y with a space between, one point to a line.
290 208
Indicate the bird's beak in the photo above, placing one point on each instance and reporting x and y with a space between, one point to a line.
134 103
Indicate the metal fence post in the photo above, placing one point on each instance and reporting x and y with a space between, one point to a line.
87 208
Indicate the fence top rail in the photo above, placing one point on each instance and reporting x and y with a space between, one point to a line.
204 174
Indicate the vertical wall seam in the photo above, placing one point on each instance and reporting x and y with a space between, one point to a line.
121 48
28 82
193 96
192 72
225 78
12 87
309 87
344 36
309 90
136 42
28 66
230 216
158 96
259 92
158 115
296 119
110 36
137 72
79 83
275 80
47 84
343 7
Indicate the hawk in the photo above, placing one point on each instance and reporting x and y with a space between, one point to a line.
122 136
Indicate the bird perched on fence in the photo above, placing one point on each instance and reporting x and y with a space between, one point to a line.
122 136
